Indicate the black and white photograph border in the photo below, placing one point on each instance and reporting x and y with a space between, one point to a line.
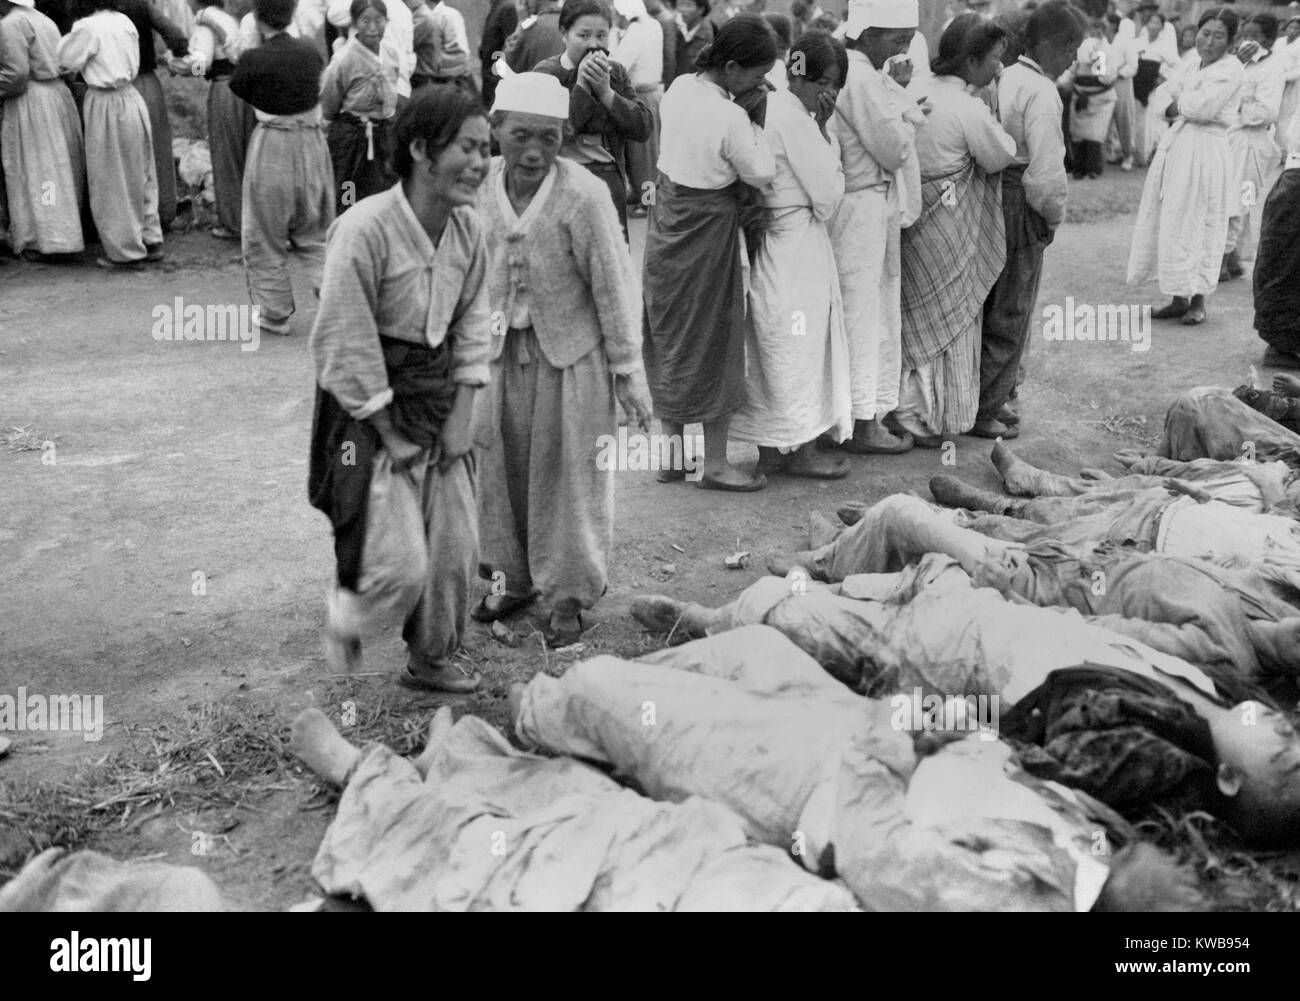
373 373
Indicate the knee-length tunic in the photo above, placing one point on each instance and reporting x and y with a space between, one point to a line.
1182 222
797 366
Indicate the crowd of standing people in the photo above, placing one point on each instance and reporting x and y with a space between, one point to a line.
844 246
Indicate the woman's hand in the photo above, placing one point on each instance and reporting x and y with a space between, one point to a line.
594 75
1246 50
901 71
634 397
755 104
825 109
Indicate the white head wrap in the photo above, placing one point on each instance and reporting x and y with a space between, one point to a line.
864 14
532 94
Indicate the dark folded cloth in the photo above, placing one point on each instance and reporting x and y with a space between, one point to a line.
1128 740
343 449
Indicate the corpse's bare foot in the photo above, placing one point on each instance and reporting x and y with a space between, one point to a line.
515 702
1017 475
952 492
439 729
315 742
781 564
1287 385
851 512
662 614
820 530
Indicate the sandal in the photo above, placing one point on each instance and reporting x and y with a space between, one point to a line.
509 604
757 482
443 678
559 638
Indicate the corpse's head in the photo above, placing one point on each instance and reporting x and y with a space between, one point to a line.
1259 773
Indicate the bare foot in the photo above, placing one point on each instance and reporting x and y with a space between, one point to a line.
952 492
315 742
820 530
1017 475
661 614
439 729
515 701
780 564
1287 385
851 512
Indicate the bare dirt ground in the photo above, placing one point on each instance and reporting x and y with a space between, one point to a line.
177 458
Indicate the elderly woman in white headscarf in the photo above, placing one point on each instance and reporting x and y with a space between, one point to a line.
568 344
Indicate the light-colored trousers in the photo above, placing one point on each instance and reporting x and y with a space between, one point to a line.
546 511
120 171
421 550
865 233
288 201
1122 125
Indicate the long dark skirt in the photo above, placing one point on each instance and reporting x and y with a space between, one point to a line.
230 130
1277 266
612 175
359 169
164 163
694 318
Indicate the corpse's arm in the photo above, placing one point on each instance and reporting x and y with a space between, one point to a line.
891 863
1189 641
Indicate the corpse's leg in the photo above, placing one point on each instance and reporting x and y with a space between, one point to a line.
892 534
318 745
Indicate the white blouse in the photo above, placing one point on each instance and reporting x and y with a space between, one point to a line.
960 126
104 48
808 170
708 141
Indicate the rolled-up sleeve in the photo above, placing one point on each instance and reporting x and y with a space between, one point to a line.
345 339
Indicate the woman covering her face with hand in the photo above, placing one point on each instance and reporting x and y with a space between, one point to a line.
604 111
